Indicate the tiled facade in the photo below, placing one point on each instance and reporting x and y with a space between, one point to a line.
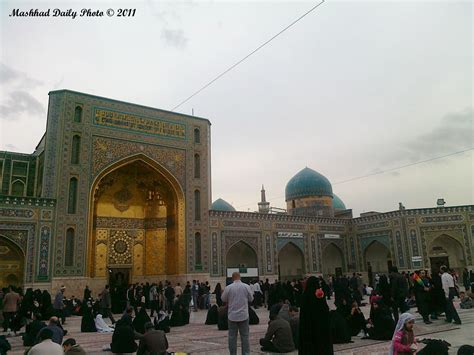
36 214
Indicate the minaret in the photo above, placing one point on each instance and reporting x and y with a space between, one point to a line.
263 205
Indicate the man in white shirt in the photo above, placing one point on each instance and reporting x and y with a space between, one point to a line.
47 346
447 282
238 295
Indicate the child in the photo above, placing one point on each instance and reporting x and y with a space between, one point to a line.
403 341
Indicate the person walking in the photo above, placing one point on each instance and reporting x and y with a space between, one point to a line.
449 291
238 295
399 292
58 304
10 307
106 304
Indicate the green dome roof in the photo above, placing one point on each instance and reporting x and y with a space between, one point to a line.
221 205
307 183
337 203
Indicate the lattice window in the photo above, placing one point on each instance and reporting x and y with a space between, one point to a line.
197 135
197 166
72 196
197 248
197 205
69 253
76 149
78 114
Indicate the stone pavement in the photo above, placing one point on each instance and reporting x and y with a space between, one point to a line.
197 338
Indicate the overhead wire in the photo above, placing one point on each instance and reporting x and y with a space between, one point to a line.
379 172
247 56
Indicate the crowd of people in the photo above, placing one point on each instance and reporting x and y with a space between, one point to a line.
299 316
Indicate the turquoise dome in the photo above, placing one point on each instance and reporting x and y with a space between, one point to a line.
307 183
337 203
221 205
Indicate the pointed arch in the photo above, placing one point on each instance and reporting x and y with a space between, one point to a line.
291 262
241 254
176 242
379 257
332 259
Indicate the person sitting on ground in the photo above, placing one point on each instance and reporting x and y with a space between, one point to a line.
162 322
212 315
87 321
222 320
380 325
72 348
356 320
278 338
253 318
101 326
466 350
403 340
128 314
123 339
32 330
339 327
180 315
153 342
295 324
140 320
466 301
283 312
46 346
57 330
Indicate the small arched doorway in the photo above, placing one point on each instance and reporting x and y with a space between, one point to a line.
378 256
290 263
242 257
12 262
332 261
445 250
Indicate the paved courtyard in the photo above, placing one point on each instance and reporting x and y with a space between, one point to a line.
197 338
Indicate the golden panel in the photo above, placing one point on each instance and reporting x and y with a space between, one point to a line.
101 260
139 236
137 260
155 252
102 234
152 193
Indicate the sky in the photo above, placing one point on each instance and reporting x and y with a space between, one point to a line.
355 88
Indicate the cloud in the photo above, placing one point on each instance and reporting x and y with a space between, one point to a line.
10 76
174 38
454 133
20 102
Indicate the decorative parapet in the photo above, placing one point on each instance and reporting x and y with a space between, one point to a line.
412 212
27 201
278 217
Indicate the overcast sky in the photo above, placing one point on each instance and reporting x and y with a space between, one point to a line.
353 88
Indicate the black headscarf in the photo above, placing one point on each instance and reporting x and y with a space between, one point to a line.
315 335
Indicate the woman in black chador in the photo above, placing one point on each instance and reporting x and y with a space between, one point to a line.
87 321
315 334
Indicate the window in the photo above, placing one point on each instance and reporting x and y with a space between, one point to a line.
197 166
197 205
197 135
18 188
69 256
197 248
72 197
78 114
76 148
20 168
293 204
